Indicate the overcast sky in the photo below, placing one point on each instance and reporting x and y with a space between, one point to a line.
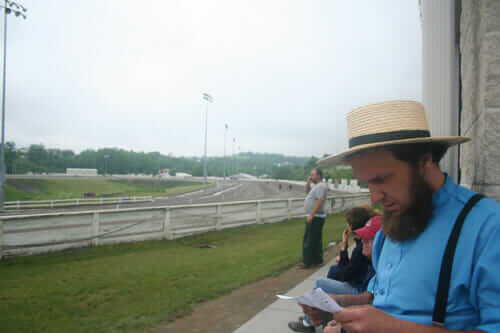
130 74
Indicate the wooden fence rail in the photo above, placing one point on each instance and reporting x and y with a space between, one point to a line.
40 233
13 205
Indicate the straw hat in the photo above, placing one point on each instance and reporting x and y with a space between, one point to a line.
388 123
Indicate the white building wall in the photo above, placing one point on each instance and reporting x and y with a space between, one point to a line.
440 74
478 44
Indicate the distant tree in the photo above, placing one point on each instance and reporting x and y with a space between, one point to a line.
120 161
172 172
38 155
10 156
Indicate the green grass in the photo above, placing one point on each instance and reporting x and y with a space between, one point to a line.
129 287
69 188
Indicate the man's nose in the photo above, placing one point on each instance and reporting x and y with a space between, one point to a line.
376 194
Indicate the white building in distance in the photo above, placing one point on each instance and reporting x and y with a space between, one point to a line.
81 172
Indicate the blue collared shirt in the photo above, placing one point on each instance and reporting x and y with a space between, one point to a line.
407 272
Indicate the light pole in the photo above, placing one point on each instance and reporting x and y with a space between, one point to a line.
225 134
19 11
208 99
232 157
237 158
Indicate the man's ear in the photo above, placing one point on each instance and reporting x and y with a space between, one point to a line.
426 161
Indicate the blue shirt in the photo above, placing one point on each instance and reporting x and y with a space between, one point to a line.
407 272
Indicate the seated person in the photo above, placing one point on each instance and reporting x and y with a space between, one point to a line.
366 234
352 270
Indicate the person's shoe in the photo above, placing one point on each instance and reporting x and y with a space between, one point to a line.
298 326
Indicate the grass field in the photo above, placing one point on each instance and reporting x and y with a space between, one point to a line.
128 287
69 188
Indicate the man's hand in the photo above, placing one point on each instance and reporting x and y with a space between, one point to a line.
316 316
364 319
333 327
309 219
308 184
345 235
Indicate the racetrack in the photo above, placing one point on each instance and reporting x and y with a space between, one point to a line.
232 191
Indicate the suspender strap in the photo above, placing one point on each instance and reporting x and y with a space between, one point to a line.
446 265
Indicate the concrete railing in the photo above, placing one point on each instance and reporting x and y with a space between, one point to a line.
40 233
10 205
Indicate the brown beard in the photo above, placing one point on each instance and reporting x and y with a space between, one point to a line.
410 223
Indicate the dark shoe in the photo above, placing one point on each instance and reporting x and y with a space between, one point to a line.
298 326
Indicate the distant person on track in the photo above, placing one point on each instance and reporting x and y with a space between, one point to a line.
314 205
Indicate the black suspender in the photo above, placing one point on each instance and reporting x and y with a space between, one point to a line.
445 273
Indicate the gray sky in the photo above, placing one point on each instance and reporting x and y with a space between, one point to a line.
130 74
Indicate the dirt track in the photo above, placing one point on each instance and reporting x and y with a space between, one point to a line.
236 191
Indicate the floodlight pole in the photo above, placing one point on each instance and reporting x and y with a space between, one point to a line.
18 10
225 134
208 99
205 171
232 158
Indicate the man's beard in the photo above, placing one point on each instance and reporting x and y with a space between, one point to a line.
410 223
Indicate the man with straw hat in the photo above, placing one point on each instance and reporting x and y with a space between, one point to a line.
437 255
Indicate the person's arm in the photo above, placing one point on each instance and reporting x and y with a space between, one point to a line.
320 198
317 205
308 185
318 317
357 266
343 258
350 300
368 319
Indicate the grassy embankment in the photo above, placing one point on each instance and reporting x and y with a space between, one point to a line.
129 287
70 188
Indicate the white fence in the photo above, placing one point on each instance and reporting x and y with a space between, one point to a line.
32 234
12 205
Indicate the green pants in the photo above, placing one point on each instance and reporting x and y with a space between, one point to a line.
312 246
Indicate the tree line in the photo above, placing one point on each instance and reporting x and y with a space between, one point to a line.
38 159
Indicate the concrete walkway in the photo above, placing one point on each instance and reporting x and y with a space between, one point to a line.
275 318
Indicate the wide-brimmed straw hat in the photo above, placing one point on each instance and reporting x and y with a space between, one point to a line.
388 123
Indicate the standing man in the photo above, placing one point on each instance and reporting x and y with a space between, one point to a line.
314 205
392 151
